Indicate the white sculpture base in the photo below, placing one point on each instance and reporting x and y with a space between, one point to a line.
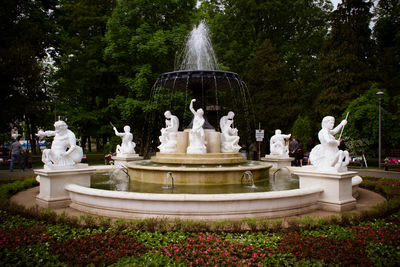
53 182
337 195
123 159
278 161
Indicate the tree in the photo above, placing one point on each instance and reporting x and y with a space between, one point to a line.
347 61
302 129
267 87
363 120
241 33
84 81
26 34
142 40
387 34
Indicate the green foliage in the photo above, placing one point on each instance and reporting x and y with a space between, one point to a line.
33 255
157 239
331 231
347 61
302 129
363 120
382 255
142 39
27 32
256 239
84 81
152 259
387 32
12 221
8 190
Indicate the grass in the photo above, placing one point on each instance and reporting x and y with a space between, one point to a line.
39 237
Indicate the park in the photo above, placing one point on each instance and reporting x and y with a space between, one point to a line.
151 134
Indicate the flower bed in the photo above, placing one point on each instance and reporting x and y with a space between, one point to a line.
335 242
391 162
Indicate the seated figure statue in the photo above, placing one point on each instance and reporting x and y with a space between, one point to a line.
127 146
63 152
197 138
327 157
229 135
168 136
277 144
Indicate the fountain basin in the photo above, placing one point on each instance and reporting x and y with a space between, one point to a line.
151 172
131 205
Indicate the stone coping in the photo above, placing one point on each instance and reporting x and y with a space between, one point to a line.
258 166
207 158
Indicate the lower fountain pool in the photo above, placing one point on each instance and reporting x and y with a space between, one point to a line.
120 182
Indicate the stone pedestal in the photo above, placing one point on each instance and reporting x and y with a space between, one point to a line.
213 140
337 186
53 182
278 162
183 141
125 158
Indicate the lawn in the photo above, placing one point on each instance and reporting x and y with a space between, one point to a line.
36 238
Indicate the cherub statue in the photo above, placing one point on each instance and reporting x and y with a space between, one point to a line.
229 135
168 136
127 146
64 151
277 144
326 156
197 138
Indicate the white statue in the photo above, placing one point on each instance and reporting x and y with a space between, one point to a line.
327 157
127 146
63 152
229 135
277 144
169 138
197 138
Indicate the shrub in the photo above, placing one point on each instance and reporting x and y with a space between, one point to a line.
8 190
329 250
98 249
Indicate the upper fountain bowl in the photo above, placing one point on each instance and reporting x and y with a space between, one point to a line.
180 80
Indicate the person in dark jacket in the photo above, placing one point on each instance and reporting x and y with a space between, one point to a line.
15 150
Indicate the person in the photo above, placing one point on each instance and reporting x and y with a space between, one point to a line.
327 156
299 154
127 146
197 138
168 136
229 135
293 145
15 150
64 151
278 145
253 151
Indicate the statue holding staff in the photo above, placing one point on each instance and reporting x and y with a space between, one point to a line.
327 157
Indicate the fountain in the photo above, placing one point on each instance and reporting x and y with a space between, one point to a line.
202 157
194 154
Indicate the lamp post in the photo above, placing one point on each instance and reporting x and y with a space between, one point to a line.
380 94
